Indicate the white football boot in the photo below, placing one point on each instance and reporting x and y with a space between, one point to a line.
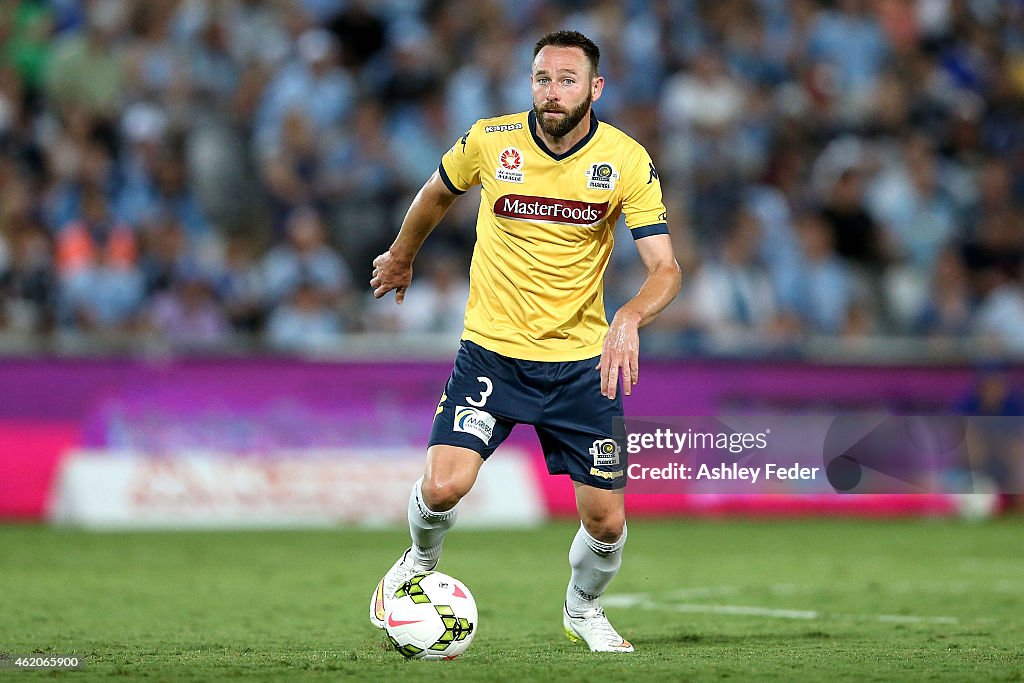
400 572
594 629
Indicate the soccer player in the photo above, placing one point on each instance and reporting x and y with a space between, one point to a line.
537 348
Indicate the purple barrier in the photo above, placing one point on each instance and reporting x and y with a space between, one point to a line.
256 405
241 405
712 388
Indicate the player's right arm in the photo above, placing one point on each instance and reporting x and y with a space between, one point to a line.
458 169
392 270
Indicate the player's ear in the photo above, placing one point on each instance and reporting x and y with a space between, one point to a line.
596 87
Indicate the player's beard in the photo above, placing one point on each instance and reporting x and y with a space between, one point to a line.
559 128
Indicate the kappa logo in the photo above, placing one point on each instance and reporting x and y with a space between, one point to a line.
510 164
605 452
440 404
504 127
654 173
602 176
474 421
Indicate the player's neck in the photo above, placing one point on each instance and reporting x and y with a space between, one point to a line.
569 140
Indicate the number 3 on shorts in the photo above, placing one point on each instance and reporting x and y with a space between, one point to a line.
488 388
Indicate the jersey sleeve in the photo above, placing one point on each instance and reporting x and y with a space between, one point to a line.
460 166
642 202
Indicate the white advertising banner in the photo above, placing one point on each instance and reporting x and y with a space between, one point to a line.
317 488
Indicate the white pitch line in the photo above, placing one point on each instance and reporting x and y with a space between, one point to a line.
695 593
643 601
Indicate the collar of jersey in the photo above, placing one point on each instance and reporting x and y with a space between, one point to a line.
532 123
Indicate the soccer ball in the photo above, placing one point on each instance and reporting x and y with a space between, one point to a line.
431 616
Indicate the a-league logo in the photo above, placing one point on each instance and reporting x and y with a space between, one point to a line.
510 166
605 452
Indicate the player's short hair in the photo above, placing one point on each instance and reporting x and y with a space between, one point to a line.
572 39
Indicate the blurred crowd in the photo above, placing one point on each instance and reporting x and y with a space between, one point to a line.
199 171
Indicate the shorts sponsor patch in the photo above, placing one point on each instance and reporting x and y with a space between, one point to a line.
474 421
605 452
606 475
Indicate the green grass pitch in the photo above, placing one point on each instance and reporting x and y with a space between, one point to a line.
701 600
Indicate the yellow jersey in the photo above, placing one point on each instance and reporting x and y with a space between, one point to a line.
544 232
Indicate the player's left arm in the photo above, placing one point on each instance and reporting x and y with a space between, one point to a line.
621 350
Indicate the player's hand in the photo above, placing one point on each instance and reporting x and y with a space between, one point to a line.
391 273
621 352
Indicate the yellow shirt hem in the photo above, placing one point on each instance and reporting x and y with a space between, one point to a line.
517 351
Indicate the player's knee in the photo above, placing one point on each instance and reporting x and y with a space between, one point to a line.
606 528
441 495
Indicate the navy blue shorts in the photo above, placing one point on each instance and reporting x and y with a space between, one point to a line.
488 394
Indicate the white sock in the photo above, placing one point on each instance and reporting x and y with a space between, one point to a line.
594 565
427 529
